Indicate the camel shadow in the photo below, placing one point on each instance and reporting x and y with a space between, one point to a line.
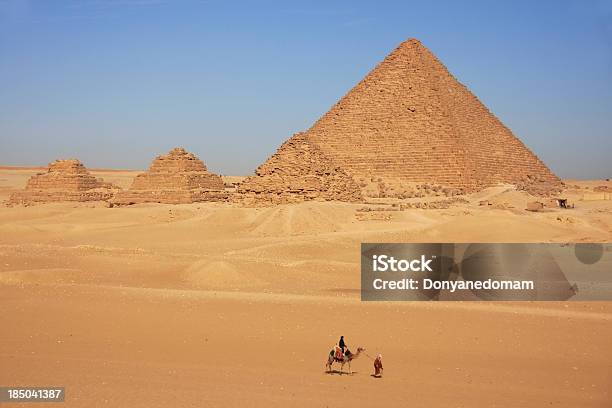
338 372
375 376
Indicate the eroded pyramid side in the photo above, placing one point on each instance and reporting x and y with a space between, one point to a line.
299 171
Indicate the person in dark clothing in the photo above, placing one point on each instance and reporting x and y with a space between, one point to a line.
378 368
341 344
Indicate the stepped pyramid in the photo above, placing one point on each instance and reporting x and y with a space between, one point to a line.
410 121
65 180
176 178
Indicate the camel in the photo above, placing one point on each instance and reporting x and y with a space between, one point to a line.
347 357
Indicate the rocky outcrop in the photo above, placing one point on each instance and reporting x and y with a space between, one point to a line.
64 180
298 171
409 120
534 206
176 178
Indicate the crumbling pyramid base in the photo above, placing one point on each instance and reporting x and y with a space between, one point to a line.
169 196
45 196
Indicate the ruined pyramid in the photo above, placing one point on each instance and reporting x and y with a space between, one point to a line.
64 180
408 121
176 178
300 171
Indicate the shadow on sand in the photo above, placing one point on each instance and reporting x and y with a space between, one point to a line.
338 372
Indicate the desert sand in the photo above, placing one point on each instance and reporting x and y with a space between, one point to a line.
216 304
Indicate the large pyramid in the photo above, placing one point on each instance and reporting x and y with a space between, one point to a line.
176 178
64 180
410 121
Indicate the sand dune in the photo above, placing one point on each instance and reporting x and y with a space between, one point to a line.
214 304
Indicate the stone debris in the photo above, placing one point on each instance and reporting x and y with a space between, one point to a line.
176 178
373 216
394 207
424 205
409 120
377 188
435 205
534 206
603 189
539 186
64 180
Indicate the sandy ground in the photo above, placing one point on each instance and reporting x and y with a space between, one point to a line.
217 305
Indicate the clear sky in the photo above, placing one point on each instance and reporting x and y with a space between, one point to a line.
117 82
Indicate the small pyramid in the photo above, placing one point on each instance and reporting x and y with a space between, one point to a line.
64 180
175 178
410 121
299 170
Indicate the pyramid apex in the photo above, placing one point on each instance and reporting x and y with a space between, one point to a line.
411 44
412 41
178 150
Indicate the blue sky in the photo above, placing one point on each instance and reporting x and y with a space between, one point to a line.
116 82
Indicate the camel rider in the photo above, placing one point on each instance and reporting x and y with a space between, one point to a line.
342 344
